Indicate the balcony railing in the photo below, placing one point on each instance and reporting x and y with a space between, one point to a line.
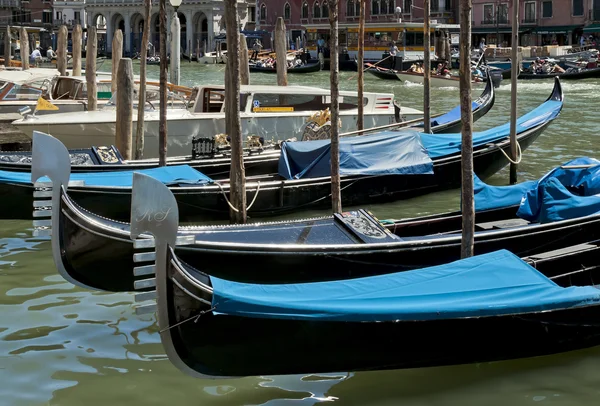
499 21
68 23
529 20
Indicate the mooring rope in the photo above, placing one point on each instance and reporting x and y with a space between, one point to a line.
195 318
519 153
229 203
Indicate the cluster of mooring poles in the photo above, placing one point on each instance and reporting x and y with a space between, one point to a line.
237 74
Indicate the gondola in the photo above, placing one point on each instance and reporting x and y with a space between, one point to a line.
381 167
381 73
306 68
95 252
583 74
490 307
215 161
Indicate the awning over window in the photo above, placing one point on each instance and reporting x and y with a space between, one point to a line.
557 29
592 28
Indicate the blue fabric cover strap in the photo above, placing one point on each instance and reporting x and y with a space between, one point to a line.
397 153
169 175
494 284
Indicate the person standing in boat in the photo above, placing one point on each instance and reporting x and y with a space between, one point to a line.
257 47
482 50
393 52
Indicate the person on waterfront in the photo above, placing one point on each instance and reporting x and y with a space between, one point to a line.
256 48
50 53
36 55
321 45
393 52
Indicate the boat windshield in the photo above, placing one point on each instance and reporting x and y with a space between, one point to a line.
270 102
23 92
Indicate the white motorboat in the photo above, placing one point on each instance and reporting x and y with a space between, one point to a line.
67 93
272 112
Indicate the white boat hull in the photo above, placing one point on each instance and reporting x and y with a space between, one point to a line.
81 131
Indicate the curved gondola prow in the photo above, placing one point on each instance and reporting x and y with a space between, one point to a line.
50 158
154 210
557 92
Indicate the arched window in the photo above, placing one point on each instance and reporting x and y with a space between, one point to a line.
305 10
350 8
375 7
287 11
263 11
357 8
325 10
316 10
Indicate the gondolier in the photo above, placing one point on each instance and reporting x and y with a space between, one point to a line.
393 52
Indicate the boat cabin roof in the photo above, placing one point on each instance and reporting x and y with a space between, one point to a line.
295 90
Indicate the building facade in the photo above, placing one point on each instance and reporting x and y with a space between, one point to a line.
297 14
541 22
201 21
70 13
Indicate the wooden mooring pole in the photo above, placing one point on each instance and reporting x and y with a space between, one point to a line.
91 53
244 65
513 93
61 50
117 54
237 173
360 123
139 130
281 52
7 48
77 37
162 118
124 124
334 68
466 112
24 48
427 69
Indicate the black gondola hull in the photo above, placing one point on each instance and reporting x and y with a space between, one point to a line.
282 197
585 74
223 345
308 68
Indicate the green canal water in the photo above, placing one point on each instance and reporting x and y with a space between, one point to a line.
61 345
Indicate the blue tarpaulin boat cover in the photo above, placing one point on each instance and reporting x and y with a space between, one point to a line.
492 284
439 145
532 194
452 115
564 193
169 175
489 197
391 153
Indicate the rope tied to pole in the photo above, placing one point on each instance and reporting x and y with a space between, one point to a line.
229 203
519 153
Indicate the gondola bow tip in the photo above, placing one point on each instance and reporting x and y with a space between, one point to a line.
50 158
153 209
